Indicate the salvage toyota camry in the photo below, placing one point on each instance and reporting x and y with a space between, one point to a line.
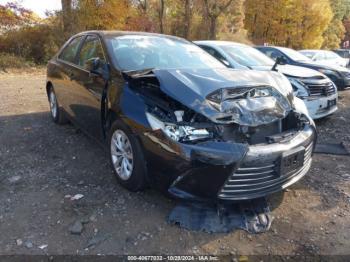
176 118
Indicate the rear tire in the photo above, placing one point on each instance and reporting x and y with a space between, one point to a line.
57 113
126 157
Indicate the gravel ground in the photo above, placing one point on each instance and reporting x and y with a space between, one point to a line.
43 166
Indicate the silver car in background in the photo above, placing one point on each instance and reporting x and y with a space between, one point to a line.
317 91
325 57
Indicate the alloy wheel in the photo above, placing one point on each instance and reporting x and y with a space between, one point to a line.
122 155
53 104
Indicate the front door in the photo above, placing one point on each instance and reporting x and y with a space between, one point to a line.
87 105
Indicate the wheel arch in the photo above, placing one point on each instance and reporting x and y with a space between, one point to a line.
48 86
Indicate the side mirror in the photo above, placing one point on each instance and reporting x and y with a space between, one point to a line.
97 67
93 65
279 61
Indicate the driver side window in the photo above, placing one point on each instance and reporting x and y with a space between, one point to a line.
91 48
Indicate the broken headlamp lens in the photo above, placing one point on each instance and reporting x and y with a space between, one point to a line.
180 133
299 88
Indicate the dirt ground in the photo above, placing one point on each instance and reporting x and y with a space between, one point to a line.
42 163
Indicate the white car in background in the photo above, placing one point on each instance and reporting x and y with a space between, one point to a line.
318 92
325 57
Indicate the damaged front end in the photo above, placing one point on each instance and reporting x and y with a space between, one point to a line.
220 133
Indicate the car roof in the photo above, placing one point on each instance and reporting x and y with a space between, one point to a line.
311 50
112 33
271 46
218 43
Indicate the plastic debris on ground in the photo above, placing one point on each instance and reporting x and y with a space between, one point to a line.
252 216
332 149
75 197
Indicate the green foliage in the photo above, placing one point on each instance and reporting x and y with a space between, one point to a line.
34 43
13 15
292 23
8 61
336 30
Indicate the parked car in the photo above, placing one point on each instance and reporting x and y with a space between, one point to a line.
344 53
325 57
338 74
317 91
174 117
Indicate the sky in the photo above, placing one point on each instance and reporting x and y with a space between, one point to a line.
38 6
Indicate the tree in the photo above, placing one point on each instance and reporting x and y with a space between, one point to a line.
67 16
336 30
231 23
161 15
292 23
14 16
102 15
188 18
213 9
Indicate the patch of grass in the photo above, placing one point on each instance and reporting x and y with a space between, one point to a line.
10 61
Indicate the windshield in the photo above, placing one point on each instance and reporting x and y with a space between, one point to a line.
247 56
309 54
294 55
134 52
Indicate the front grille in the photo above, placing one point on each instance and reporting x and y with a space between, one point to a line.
321 89
248 181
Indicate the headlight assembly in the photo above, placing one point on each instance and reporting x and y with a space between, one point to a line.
180 133
299 88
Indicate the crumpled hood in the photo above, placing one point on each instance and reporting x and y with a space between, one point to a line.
191 87
291 70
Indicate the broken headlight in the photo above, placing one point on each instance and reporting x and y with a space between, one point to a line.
180 133
299 88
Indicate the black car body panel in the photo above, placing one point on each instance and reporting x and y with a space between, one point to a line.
340 76
206 168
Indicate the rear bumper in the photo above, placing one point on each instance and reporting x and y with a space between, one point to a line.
318 106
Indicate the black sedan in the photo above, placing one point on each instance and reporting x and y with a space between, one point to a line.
175 118
339 75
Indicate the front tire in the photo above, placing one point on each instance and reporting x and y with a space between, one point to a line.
126 157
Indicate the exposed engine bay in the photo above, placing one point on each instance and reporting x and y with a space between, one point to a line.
251 114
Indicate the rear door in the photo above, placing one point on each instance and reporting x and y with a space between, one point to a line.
89 88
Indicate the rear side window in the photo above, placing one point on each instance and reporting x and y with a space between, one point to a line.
69 52
320 56
91 48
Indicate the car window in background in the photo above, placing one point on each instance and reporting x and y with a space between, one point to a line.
331 55
320 56
247 56
145 52
308 54
216 54
273 54
342 53
296 56
91 49
70 51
